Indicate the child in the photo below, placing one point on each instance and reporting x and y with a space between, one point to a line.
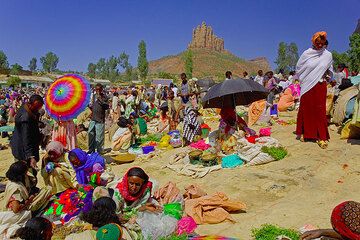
37 228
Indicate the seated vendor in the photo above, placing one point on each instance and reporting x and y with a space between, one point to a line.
164 121
121 140
83 164
55 171
286 101
345 220
229 124
139 123
134 191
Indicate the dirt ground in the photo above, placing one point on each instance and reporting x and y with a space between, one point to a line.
303 188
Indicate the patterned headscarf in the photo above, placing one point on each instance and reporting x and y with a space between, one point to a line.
345 220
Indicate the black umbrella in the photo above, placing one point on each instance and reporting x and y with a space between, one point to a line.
205 84
234 92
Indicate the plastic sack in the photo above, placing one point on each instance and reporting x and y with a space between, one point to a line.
231 161
265 132
175 139
155 226
186 225
174 210
164 142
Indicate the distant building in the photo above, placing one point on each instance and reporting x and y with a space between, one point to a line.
28 81
163 82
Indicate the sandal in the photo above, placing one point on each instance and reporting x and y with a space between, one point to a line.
323 144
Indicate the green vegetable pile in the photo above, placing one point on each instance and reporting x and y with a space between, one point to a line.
277 153
175 237
151 137
270 232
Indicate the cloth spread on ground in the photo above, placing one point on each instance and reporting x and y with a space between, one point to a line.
168 194
212 209
180 164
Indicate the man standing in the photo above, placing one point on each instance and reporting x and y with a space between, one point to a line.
26 139
97 123
184 89
259 77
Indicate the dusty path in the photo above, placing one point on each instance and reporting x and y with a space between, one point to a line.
302 188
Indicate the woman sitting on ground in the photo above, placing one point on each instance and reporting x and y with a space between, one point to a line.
55 171
345 220
229 125
121 140
16 201
134 191
286 101
83 164
37 228
101 213
164 121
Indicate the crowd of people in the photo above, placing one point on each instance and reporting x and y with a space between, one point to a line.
72 151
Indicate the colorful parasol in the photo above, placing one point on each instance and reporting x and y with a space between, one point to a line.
67 97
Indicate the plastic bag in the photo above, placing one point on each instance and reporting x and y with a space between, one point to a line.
155 226
186 225
174 210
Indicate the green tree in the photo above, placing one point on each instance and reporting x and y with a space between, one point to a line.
354 51
49 62
101 68
3 61
111 66
91 70
13 81
282 60
143 65
32 64
188 62
15 69
292 55
124 63
340 58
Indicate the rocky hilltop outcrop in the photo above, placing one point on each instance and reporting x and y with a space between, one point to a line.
203 37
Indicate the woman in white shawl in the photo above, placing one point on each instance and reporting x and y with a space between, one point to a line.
311 69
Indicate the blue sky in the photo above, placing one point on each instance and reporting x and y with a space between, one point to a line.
82 31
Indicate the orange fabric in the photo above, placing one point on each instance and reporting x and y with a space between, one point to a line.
167 194
209 209
255 111
317 35
286 101
193 191
212 209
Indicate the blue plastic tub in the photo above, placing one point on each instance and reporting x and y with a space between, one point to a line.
148 149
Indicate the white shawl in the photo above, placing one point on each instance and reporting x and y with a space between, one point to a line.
311 67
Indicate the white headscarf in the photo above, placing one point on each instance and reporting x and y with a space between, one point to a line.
311 67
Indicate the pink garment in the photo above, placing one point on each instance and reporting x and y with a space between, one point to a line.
65 132
186 225
295 89
201 145
265 132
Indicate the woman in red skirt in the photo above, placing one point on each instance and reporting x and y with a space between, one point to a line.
311 69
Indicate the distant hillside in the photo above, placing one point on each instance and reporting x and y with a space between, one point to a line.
209 63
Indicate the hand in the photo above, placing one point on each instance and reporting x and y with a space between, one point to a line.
151 207
311 234
33 163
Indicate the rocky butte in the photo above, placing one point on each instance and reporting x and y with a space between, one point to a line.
203 37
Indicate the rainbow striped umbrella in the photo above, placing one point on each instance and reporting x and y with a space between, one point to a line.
67 97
